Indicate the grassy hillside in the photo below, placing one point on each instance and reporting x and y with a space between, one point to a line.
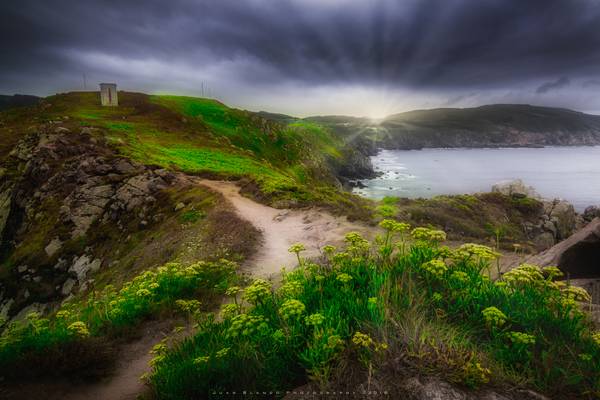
68 185
293 163
17 100
102 219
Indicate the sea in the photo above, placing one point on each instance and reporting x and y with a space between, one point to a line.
569 173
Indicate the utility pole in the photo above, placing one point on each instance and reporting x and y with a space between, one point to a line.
84 82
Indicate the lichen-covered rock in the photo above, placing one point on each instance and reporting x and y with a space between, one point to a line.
591 212
83 265
563 216
544 240
5 307
52 247
56 185
67 287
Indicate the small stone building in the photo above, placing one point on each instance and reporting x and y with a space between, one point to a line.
108 94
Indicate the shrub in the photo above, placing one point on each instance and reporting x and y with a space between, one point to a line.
324 316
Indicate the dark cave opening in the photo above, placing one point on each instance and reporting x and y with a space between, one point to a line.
582 260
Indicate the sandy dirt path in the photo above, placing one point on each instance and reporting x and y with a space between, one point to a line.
282 228
313 228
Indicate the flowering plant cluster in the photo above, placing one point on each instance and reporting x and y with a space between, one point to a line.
247 325
394 226
479 251
258 291
493 317
291 288
315 319
344 277
292 309
428 235
521 338
357 245
437 268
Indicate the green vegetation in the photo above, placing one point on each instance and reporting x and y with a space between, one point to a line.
435 305
293 163
191 216
479 217
111 310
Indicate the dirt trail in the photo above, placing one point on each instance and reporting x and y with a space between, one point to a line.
123 383
282 228
313 228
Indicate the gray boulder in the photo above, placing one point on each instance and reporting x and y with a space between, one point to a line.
67 287
591 212
515 188
84 265
52 247
563 216
578 255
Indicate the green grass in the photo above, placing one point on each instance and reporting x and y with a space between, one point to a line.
366 303
192 216
298 148
263 140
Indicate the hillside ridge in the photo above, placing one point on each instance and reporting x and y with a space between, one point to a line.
496 125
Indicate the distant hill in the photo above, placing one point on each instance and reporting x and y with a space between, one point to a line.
499 125
17 100
280 118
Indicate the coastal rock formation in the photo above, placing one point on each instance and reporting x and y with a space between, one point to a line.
557 221
578 255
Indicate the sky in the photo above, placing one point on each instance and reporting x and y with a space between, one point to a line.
310 57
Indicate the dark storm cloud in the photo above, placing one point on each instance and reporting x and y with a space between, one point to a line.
442 45
553 85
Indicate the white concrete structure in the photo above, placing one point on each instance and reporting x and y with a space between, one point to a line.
108 94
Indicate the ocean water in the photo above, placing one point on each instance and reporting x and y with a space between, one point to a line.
570 173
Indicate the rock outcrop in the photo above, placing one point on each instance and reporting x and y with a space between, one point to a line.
557 221
578 255
56 185
590 213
